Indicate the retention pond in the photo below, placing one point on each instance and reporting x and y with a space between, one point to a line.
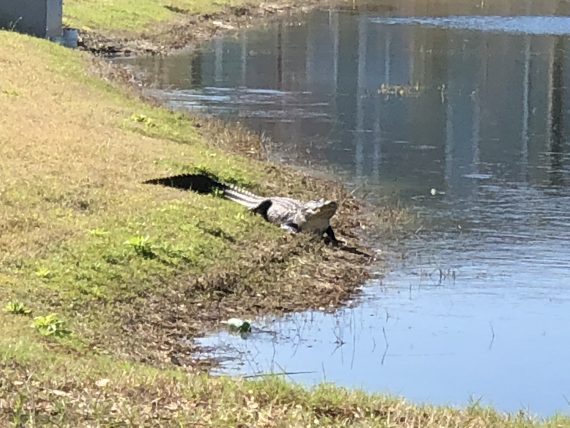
459 110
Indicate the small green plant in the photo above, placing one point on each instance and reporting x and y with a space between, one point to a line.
98 232
139 117
142 246
177 252
142 118
51 325
44 273
9 92
17 308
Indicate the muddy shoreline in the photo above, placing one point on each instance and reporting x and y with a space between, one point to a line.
191 29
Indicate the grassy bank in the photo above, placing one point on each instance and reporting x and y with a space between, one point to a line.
99 269
81 231
141 16
150 26
104 278
59 391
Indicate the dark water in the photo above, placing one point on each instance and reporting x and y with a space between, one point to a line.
470 99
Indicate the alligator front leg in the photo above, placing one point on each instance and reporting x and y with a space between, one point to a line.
262 209
331 237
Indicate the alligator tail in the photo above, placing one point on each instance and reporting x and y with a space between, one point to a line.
200 183
204 184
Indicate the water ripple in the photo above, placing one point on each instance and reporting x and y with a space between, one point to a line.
534 25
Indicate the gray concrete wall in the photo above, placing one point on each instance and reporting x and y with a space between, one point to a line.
54 16
41 18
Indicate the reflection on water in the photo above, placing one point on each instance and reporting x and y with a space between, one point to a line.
536 25
480 306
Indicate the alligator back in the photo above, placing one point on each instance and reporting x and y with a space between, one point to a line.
242 197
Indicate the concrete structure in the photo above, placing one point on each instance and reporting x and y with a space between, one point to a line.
41 18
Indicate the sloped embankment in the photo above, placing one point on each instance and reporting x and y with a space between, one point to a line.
103 279
114 270
150 26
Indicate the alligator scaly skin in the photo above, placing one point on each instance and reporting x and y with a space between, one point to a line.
290 214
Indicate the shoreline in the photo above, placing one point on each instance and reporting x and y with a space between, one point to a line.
188 29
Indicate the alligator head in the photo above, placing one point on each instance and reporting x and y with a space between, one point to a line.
315 216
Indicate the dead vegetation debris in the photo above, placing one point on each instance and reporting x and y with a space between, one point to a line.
293 274
192 28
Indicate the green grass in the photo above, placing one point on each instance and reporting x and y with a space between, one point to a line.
137 16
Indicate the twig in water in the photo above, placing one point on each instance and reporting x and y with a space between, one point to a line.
257 375
353 350
338 335
387 346
492 336
356 189
349 195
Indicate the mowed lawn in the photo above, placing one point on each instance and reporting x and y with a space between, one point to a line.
138 16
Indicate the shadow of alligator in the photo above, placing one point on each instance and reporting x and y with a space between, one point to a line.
199 183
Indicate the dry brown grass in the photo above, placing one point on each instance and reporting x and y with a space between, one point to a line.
65 152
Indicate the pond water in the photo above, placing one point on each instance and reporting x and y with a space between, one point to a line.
467 98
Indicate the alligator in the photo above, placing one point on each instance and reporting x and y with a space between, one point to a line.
290 214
